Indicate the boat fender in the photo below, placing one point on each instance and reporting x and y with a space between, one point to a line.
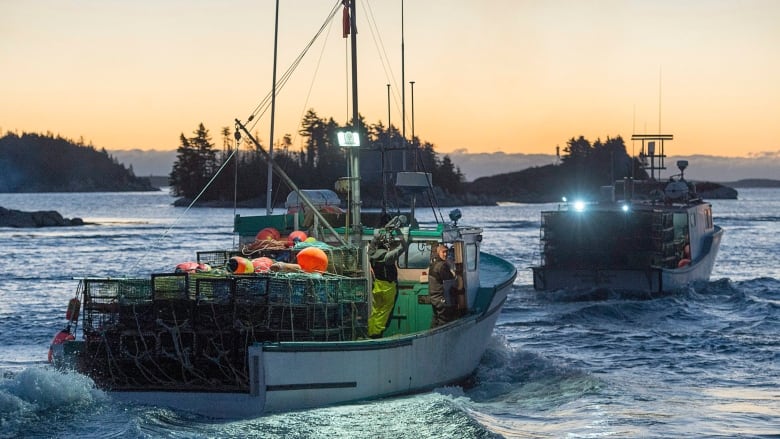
72 314
58 341
686 258
285 267
240 265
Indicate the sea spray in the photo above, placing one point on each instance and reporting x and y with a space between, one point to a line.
43 388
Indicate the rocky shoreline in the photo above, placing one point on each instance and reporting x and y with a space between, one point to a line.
41 218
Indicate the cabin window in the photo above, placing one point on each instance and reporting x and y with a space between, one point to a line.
680 226
708 218
471 256
417 256
692 219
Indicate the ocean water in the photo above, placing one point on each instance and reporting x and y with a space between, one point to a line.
703 362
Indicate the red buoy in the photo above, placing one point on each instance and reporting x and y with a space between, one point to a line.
59 340
268 233
296 236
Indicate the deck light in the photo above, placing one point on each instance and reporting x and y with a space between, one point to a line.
348 139
625 208
579 205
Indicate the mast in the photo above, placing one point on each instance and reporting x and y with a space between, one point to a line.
403 93
354 153
269 183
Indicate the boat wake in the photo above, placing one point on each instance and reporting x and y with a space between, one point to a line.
513 376
41 392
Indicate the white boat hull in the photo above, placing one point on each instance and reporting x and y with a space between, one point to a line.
297 375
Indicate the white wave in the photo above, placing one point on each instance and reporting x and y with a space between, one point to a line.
38 389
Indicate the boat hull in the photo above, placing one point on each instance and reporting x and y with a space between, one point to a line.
649 280
288 376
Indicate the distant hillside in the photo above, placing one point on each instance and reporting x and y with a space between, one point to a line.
159 181
754 182
549 183
44 163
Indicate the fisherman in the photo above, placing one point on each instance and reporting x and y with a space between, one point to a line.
438 273
383 253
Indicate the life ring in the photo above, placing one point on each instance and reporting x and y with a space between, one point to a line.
58 341
683 263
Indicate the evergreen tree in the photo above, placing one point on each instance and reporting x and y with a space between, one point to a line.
195 164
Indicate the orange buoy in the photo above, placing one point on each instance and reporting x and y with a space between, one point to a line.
312 259
268 233
262 264
58 340
295 237
240 265
72 314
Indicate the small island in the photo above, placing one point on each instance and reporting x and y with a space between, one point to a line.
48 163
41 218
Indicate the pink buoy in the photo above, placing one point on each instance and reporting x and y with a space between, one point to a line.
187 267
262 264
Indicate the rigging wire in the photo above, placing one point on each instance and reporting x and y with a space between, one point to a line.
260 109
179 218
263 106
313 79
380 47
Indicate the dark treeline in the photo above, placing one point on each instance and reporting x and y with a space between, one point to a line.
584 168
317 165
45 163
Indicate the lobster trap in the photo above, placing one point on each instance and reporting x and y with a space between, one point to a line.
191 331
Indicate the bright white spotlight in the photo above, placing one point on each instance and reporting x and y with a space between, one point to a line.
579 205
625 208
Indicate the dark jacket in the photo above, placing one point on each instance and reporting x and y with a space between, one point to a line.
438 272
383 262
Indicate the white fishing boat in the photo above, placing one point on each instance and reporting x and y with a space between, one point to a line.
288 330
646 236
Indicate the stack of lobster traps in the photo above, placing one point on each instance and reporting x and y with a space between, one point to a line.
192 330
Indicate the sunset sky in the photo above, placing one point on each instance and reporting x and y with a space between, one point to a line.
503 75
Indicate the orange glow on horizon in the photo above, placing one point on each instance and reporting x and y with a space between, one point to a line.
511 76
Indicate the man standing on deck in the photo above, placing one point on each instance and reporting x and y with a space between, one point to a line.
385 288
438 273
